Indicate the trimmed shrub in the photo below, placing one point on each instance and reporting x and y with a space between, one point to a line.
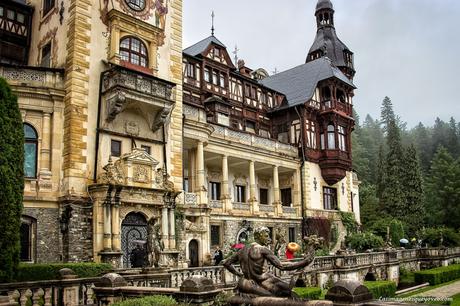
364 241
312 293
154 300
36 272
381 288
12 181
396 231
438 275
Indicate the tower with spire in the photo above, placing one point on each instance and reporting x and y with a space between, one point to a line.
327 43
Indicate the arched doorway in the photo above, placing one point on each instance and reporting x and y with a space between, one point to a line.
193 253
133 229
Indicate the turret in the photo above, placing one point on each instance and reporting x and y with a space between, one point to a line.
327 43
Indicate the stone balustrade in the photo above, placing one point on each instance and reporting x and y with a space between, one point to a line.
81 291
191 199
241 206
33 76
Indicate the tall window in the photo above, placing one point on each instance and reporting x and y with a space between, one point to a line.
311 134
291 234
263 196
30 151
330 198
115 148
286 196
214 191
222 80
330 137
190 70
215 235
240 194
47 6
342 138
46 56
133 51
27 238
215 78
207 76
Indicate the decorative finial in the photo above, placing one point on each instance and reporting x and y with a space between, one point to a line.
275 71
212 27
236 54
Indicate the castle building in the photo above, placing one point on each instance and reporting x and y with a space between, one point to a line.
125 131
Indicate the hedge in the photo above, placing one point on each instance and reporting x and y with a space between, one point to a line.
154 300
381 288
312 293
438 275
37 272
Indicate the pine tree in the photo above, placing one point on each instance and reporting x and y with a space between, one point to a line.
392 196
413 190
422 140
443 190
12 178
381 173
386 113
452 141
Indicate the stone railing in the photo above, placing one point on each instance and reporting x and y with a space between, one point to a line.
120 77
33 76
266 208
52 292
81 291
215 273
190 199
240 206
215 203
289 210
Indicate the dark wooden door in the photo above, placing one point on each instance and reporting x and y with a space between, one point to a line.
193 253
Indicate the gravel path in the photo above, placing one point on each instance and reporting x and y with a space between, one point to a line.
444 291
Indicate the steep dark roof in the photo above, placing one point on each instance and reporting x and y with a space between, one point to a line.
324 4
327 37
299 83
202 45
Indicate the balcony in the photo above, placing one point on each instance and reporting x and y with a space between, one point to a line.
335 105
123 88
15 32
26 76
334 165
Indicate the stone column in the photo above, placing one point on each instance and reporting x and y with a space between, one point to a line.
107 228
116 245
297 192
200 173
153 57
225 196
172 229
114 44
276 192
45 151
165 227
252 188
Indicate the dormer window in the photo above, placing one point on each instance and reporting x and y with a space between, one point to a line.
133 51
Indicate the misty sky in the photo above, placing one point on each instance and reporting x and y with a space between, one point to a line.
408 50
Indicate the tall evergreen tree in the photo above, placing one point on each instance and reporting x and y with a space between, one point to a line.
452 141
443 190
386 113
421 138
413 189
371 138
392 196
381 173
12 178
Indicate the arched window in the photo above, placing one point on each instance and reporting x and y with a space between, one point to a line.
133 50
30 151
330 137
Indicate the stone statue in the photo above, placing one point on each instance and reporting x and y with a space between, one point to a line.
154 245
254 280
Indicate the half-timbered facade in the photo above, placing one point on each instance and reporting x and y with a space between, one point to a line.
267 150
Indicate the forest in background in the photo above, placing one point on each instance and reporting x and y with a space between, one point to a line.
410 178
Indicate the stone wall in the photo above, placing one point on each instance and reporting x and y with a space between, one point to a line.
78 239
48 242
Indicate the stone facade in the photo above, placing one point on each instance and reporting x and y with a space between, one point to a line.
118 149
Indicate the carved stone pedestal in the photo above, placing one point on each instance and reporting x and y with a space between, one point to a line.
169 259
113 258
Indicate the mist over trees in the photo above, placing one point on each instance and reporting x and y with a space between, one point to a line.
412 175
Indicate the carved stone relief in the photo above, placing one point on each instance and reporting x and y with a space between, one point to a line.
132 128
141 174
240 180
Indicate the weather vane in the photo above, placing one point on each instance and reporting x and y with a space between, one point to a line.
212 27
236 53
